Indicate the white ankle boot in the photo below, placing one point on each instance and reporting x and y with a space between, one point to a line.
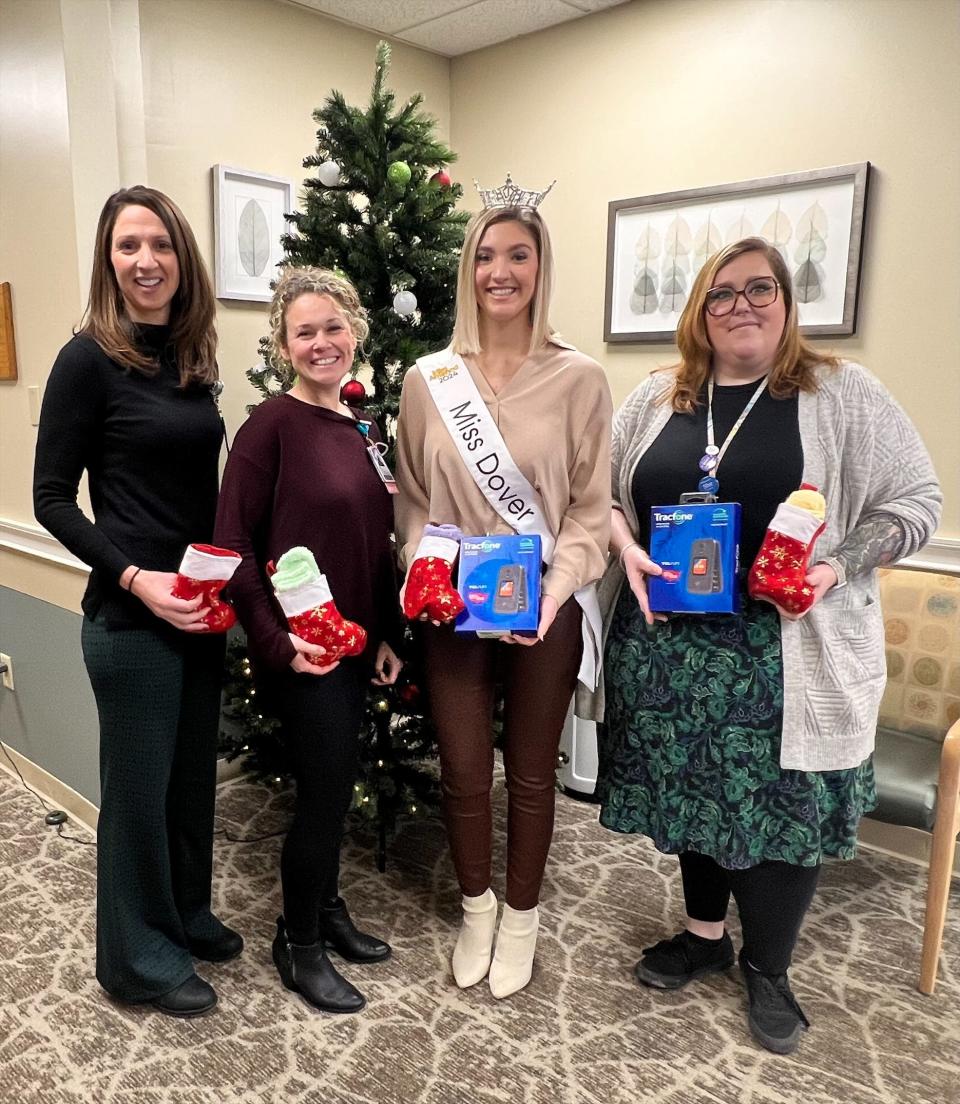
516 943
471 956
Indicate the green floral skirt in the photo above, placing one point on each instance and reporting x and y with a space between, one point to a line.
690 752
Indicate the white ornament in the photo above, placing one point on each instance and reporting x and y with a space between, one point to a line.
329 173
404 302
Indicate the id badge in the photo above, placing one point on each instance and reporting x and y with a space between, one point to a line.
382 469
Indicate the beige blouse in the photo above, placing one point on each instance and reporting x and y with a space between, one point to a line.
555 417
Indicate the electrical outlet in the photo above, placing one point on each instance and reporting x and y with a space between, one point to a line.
6 661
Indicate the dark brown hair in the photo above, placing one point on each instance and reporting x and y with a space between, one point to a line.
192 310
795 361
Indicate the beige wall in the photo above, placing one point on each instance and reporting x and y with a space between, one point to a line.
656 96
38 253
628 102
231 81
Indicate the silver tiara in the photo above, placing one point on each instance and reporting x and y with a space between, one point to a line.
510 195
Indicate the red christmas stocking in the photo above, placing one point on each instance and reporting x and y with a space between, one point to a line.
206 569
305 598
778 573
429 588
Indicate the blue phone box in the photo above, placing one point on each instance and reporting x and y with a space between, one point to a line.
499 581
698 547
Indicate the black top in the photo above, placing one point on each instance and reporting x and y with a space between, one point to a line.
762 466
150 450
299 476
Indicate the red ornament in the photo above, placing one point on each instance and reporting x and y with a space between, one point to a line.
409 694
353 393
441 179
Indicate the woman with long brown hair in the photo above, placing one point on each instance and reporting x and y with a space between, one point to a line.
741 742
130 400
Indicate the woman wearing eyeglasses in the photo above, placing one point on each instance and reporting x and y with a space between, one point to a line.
742 742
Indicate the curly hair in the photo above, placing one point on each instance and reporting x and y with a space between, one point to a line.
795 361
297 280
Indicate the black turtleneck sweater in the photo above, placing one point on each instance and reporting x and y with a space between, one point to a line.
150 449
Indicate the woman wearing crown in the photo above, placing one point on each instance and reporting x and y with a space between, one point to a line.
549 409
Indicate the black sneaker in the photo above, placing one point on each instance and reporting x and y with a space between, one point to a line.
674 962
776 1020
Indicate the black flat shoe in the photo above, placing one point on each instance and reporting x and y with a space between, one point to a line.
339 934
226 946
776 1020
192 997
305 969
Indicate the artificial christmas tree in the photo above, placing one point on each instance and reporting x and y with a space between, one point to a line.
380 210
387 222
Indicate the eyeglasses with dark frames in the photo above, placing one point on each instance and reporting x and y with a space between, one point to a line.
759 292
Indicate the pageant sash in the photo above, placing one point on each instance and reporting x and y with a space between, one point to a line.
487 458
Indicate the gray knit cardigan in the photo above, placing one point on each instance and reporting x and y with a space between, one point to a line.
862 451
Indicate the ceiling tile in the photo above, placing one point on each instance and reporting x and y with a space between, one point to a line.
386 17
486 22
595 5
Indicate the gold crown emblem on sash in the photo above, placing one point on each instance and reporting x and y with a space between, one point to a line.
443 373
511 195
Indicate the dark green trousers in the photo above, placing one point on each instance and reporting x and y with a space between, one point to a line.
158 697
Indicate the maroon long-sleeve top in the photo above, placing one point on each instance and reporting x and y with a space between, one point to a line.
300 475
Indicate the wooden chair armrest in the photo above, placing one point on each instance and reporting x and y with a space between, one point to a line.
949 780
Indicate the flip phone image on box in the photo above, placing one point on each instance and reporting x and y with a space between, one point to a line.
697 545
499 581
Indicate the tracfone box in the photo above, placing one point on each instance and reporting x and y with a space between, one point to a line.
698 546
499 582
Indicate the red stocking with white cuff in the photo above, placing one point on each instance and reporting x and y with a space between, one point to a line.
206 570
778 574
305 598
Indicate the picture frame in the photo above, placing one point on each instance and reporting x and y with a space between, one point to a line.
250 217
8 344
656 245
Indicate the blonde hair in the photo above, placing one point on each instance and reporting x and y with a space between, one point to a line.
192 309
466 329
297 280
795 362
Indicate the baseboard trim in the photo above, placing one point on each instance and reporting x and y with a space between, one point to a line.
901 842
57 794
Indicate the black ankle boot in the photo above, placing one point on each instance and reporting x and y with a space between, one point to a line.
338 933
305 969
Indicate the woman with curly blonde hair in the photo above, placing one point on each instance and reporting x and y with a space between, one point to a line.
299 475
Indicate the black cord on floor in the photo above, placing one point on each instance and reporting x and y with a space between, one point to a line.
60 832
248 839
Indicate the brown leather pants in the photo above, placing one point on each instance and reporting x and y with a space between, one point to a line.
538 683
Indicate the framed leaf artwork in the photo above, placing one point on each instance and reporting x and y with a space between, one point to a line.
250 216
657 244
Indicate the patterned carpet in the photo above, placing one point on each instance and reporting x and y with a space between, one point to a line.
583 1031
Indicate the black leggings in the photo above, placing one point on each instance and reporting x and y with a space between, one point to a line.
772 898
321 717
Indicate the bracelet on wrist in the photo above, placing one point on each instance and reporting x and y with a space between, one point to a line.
130 581
625 550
